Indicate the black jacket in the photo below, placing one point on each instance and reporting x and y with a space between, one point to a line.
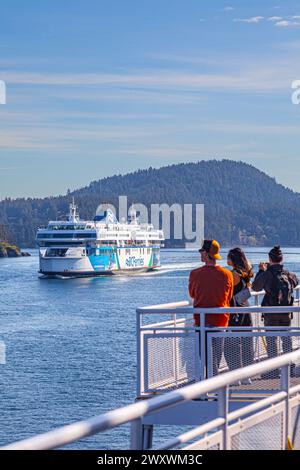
264 281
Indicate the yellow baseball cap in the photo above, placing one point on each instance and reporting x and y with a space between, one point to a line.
212 247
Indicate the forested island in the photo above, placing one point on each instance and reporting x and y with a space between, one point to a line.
7 249
243 205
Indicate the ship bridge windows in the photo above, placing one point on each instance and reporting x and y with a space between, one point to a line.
66 235
58 243
55 252
85 235
67 227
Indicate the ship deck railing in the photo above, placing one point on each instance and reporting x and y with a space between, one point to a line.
271 423
250 405
172 352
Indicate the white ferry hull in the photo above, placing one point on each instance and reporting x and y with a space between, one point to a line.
114 261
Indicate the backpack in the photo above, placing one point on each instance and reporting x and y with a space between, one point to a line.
282 289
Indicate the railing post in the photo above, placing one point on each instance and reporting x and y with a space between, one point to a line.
138 354
285 386
223 413
202 347
136 435
175 350
147 436
198 362
298 304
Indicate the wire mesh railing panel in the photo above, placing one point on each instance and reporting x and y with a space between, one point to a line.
209 442
295 426
227 351
260 433
170 359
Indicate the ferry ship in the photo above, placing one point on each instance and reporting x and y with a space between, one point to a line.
102 246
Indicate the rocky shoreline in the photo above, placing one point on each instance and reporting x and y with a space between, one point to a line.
11 251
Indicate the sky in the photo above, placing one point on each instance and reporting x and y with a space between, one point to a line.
102 87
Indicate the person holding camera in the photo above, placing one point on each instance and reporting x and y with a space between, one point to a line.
278 284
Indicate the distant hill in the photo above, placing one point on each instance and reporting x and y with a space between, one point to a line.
242 204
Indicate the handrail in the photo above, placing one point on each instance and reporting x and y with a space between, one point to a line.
234 415
217 310
185 306
79 430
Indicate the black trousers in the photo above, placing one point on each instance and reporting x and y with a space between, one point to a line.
239 351
272 343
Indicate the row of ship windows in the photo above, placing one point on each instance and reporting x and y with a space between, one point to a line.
66 235
52 252
142 251
84 235
97 251
69 227
71 244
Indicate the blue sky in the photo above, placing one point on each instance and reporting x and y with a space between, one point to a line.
100 87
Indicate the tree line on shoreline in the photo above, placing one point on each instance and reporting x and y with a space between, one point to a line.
243 205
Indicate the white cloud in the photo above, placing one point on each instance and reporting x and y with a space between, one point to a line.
253 19
287 24
72 137
58 136
247 128
229 8
279 21
275 18
166 81
283 24
13 116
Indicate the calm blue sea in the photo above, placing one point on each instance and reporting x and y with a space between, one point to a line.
71 344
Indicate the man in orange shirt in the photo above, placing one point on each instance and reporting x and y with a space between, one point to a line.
212 286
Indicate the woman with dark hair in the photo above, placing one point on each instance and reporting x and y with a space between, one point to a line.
242 271
239 351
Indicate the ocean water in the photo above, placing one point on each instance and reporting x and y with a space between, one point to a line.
71 344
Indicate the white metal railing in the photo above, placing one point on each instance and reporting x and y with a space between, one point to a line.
172 352
225 431
273 420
